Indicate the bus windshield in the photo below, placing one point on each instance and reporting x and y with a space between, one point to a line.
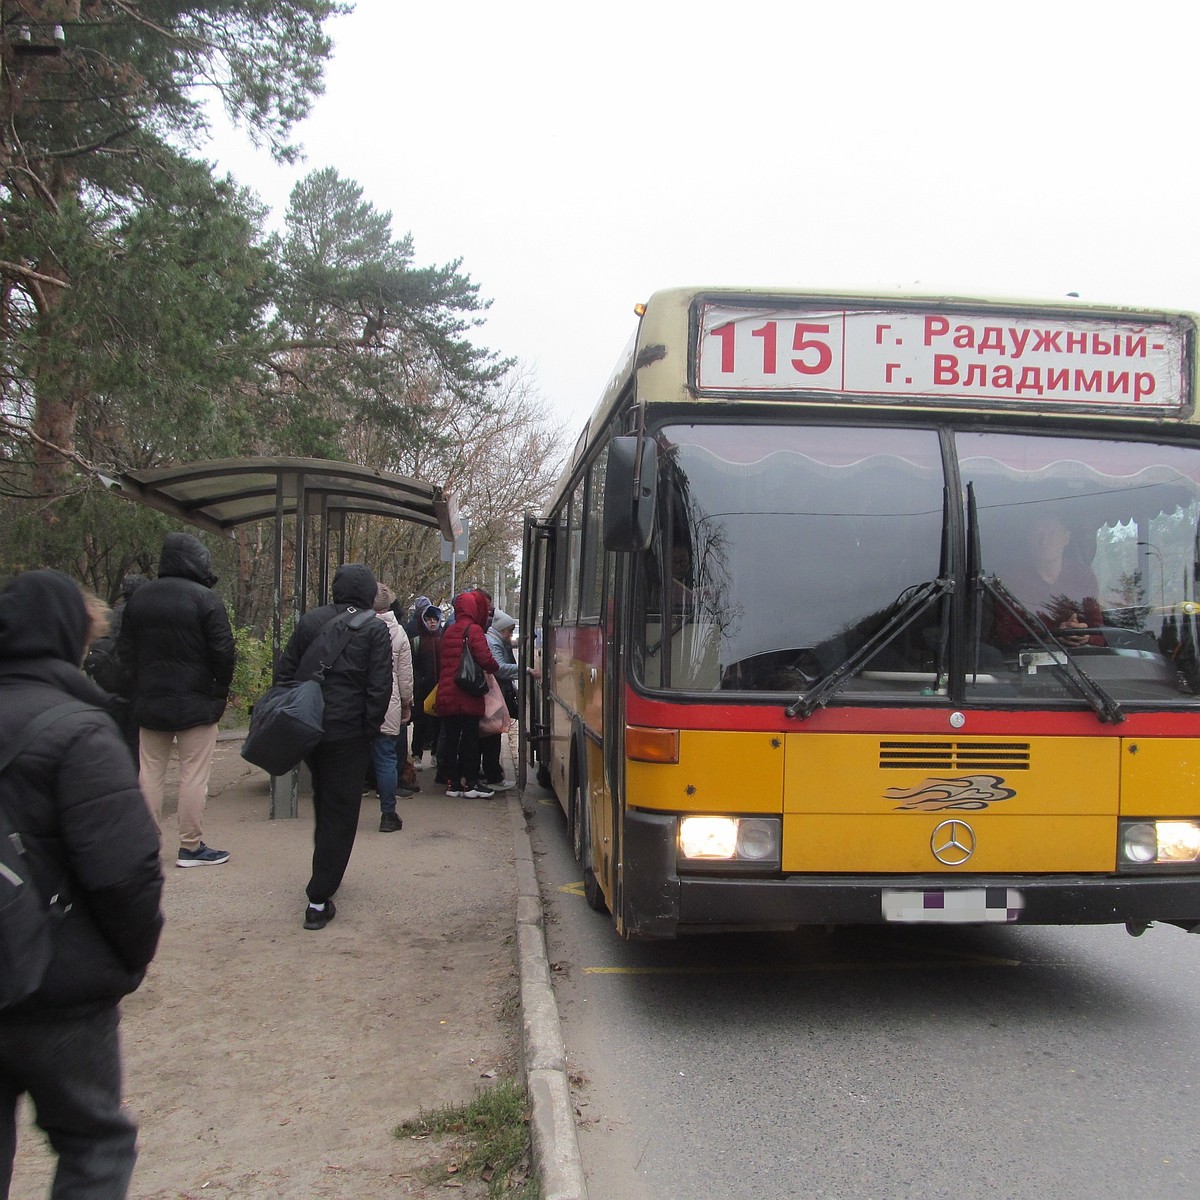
784 552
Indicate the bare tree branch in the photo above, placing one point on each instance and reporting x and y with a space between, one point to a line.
12 268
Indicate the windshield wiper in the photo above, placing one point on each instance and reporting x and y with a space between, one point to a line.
920 599
1102 704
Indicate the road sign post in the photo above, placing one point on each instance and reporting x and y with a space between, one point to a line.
456 551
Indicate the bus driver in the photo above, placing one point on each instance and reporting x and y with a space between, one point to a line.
1059 588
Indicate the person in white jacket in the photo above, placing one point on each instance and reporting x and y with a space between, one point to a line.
383 745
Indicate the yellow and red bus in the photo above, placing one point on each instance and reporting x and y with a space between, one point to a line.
853 609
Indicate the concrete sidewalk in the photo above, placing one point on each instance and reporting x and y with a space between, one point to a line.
266 1060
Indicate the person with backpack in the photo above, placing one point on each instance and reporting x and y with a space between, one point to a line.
70 795
357 688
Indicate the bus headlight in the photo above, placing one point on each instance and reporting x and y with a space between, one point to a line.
1158 843
729 841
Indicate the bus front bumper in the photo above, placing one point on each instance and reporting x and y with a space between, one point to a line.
658 902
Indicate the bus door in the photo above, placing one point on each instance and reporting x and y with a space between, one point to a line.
533 699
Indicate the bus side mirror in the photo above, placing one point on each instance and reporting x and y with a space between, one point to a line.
629 513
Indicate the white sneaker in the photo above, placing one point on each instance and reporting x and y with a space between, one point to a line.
420 763
502 786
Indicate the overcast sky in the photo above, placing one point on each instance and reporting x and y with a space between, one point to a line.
579 157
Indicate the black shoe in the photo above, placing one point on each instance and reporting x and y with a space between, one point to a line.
389 822
318 918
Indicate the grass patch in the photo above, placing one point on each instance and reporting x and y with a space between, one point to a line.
493 1130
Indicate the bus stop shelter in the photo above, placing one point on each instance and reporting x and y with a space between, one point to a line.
221 494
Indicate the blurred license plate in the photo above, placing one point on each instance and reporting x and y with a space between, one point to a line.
957 906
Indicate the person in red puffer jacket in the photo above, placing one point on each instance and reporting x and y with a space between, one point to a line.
459 712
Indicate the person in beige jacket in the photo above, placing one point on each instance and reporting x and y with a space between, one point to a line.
383 745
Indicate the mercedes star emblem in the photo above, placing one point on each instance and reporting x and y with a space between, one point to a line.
952 843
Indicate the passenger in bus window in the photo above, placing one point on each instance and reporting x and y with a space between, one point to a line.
1054 584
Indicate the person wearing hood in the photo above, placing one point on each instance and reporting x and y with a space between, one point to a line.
499 639
72 796
384 748
357 688
412 625
129 585
458 711
177 644
426 642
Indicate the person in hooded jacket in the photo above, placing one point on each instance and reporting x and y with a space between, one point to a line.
499 638
176 641
357 688
458 711
72 796
426 640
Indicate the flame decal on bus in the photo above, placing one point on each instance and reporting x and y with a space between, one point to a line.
965 792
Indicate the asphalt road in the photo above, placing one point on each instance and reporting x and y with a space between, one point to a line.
875 1063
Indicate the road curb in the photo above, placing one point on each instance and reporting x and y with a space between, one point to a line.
552 1124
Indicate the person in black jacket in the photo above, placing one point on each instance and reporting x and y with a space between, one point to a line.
72 796
357 689
176 642
426 637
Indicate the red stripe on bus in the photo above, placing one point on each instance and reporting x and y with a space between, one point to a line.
642 710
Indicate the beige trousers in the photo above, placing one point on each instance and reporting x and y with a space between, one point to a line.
196 746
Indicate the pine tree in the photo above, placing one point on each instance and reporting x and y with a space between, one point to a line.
99 102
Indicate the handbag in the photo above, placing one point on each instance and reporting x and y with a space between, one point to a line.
495 717
470 676
288 722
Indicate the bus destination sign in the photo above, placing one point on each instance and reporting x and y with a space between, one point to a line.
1038 361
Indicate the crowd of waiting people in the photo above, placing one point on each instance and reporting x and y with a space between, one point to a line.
83 790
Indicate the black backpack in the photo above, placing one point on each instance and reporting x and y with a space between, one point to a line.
27 920
103 666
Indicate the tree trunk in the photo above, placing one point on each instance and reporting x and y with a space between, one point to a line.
58 396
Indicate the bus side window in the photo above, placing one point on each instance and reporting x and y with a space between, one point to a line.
574 553
592 580
558 595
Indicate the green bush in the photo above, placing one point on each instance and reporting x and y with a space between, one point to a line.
251 675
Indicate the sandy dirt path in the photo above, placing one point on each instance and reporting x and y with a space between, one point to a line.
266 1060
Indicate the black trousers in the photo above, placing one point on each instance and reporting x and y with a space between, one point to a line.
72 1072
425 728
337 769
461 749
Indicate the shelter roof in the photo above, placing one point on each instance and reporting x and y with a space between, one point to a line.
222 493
